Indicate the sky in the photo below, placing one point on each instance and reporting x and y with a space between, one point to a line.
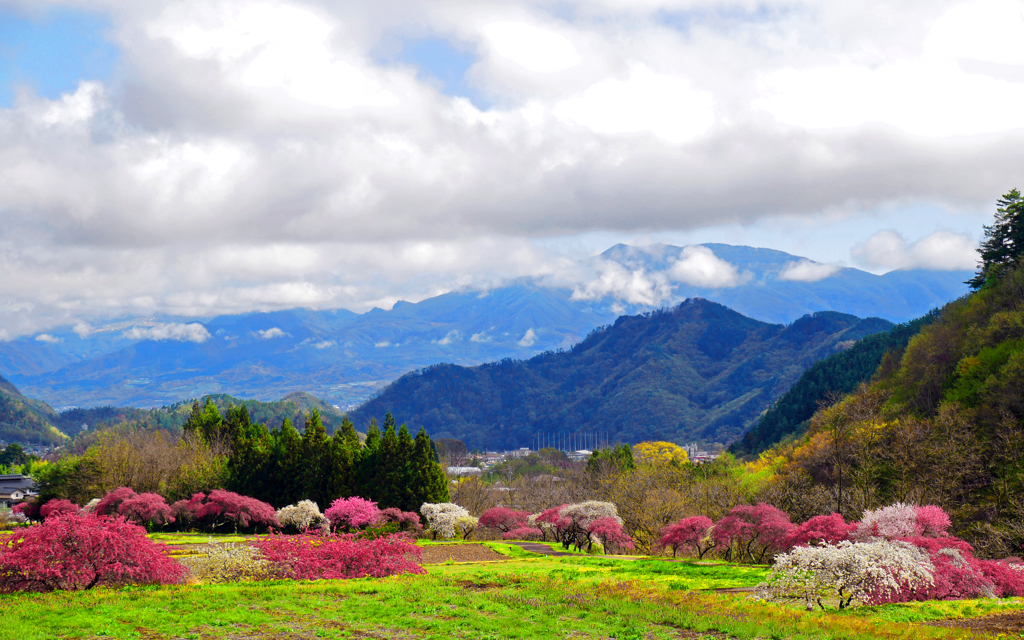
200 157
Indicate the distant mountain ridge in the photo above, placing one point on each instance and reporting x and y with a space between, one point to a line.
695 372
345 357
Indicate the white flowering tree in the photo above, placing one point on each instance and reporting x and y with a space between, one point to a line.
575 521
446 520
304 516
866 572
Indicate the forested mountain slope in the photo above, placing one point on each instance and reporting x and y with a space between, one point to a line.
944 425
25 420
695 372
824 383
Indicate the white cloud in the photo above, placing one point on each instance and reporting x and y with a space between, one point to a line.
941 250
82 329
665 106
700 267
382 344
529 339
449 338
481 337
176 331
634 287
273 332
305 152
807 271
532 47
324 344
47 338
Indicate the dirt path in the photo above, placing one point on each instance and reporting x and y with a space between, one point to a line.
542 549
1011 623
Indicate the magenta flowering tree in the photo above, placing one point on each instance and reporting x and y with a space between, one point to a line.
830 529
28 508
74 552
689 534
58 507
334 557
108 504
754 533
405 521
504 519
185 511
523 533
551 522
225 508
352 514
608 532
149 510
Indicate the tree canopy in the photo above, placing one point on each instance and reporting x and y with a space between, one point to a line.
1004 240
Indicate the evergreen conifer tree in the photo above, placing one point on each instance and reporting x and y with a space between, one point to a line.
1004 240
317 461
369 463
430 484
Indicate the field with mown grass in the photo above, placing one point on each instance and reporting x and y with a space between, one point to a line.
523 595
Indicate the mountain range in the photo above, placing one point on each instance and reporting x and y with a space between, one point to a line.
696 372
346 357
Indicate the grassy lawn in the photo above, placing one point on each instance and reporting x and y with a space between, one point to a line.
527 596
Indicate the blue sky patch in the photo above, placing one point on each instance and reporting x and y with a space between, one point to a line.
445 65
53 53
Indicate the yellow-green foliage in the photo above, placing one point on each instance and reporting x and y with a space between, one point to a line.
221 563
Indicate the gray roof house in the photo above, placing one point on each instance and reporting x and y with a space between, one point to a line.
14 488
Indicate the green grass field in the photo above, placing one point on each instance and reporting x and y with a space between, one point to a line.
525 596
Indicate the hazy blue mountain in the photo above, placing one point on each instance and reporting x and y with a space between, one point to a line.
696 372
345 357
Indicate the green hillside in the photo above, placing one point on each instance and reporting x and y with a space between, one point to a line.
825 382
944 426
696 372
25 420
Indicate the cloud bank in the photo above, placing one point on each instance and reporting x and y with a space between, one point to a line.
179 332
265 155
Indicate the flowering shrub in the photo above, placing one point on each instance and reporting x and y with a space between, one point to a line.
692 534
228 563
831 529
901 520
351 514
146 509
445 519
58 507
108 504
504 519
9 519
224 508
28 509
1007 577
523 533
868 572
306 557
753 532
302 517
73 552
408 521
466 525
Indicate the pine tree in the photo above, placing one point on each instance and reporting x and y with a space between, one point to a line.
1004 240
389 472
288 464
347 452
317 460
366 483
429 481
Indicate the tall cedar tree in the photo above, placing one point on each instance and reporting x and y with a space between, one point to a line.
1004 240
318 469
429 481
369 462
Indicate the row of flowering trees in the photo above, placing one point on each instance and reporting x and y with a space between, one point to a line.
582 525
894 554
104 543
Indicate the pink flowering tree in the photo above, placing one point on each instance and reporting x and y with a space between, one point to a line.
503 519
185 511
689 534
353 514
28 509
831 529
334 557
551 523
149 510
901 520
575 520
224 509
608 532
402 521
753 533
108 504
74 552
523 533
58 507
